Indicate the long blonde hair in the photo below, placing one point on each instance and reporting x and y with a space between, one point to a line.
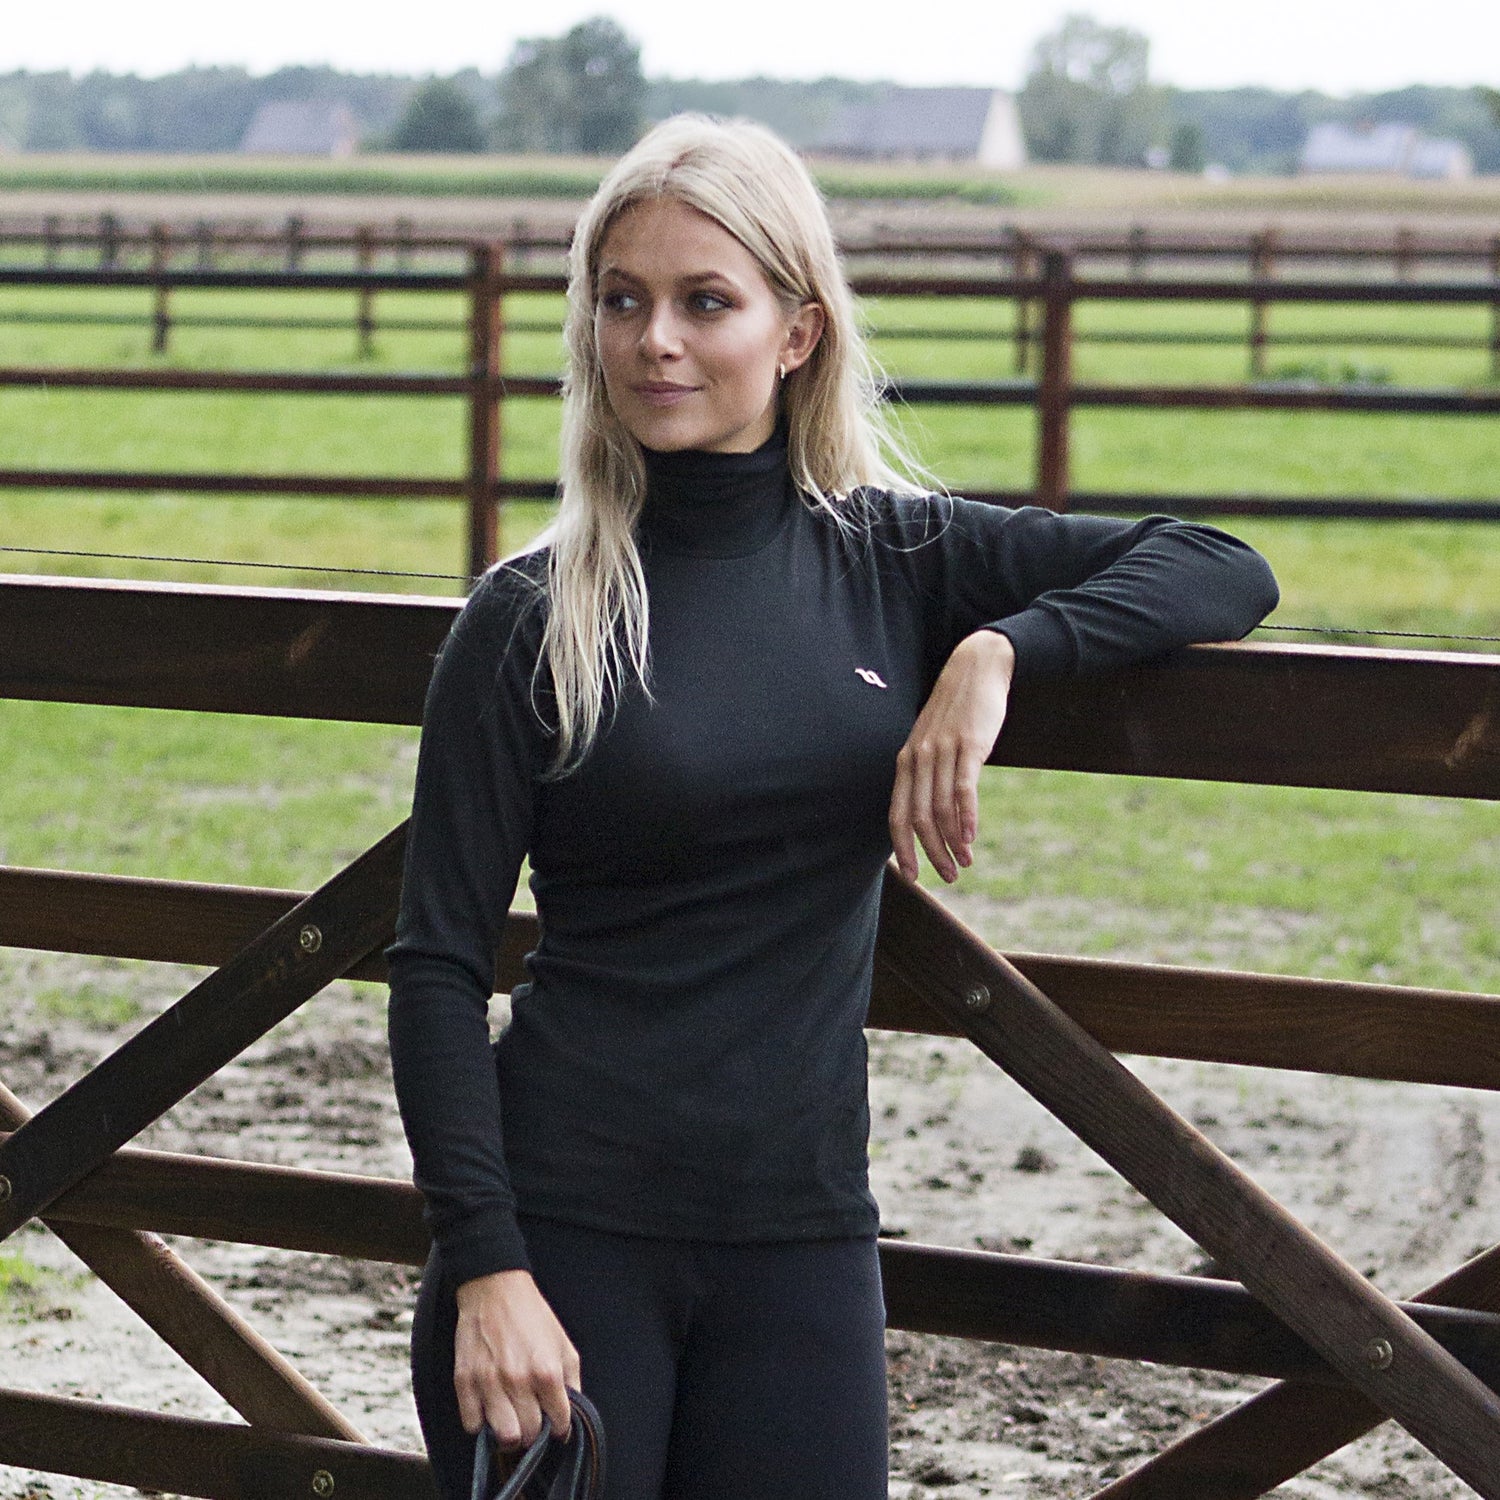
749 182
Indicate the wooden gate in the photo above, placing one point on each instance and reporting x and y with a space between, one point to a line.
1346 1355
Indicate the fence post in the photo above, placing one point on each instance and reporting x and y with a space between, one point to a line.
1023 262
1137 251
161 302
1262 264
204 234
487 265
404 230
364 257
109 241
294 247
1053 389
1495 309
50 226
1406 253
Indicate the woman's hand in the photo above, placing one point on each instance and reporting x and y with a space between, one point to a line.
936 796
512 1361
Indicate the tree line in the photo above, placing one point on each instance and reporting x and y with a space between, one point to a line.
1088 97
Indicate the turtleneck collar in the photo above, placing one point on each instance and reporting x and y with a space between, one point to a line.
717 504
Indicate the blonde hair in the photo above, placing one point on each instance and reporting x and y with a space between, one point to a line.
750 183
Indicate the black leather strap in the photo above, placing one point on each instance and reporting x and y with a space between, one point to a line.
579 1471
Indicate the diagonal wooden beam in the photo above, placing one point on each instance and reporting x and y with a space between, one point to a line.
1288 1427
187 1456
1360 1332
177 1304
315 942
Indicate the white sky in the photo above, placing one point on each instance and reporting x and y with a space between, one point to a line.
1339 46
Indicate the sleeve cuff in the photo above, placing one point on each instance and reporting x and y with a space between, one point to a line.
1044 644
482 1245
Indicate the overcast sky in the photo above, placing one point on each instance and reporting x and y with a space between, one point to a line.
1339 46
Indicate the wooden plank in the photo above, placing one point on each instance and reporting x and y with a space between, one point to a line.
1424 722
285 1208
185 1456
297 654
1206 1015
1361 1333
1178 1320
194 1320
216 1020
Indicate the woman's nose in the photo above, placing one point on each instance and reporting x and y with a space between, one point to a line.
660 336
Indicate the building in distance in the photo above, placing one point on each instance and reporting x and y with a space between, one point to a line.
1391 150
981 126
302 127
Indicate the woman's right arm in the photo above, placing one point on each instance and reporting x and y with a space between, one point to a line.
483 746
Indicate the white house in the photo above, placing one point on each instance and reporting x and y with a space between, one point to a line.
302 127
1392 149
981 126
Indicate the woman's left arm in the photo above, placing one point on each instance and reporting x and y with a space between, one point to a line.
1034 593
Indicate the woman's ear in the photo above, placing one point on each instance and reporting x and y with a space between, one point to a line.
803 331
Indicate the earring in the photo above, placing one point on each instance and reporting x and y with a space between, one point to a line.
781 371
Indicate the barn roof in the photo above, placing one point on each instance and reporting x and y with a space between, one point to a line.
302 127
945 122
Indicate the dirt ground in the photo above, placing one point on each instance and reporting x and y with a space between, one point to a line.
1400 1179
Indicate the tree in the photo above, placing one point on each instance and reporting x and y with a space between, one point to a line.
581 93
439 117
1187 148
1087 97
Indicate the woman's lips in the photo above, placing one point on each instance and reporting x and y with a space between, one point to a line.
662 392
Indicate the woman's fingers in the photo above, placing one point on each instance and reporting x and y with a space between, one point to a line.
935 799
512 1361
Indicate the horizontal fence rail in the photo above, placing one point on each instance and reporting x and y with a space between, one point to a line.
1323 716
1043 288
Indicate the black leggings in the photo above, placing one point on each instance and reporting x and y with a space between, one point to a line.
722 1372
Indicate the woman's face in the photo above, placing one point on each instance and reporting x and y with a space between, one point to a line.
690 334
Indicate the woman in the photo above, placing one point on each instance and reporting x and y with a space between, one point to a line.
748 661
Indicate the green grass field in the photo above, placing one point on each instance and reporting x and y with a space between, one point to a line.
1336 884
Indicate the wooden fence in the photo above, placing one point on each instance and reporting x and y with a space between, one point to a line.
1405 255
1053 394
1345 1356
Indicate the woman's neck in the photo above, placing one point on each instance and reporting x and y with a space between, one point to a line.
716 504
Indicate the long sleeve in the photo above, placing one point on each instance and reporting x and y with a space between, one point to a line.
1079 593
483 744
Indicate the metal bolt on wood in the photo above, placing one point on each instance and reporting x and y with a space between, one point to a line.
311 939
977 997
1380 1354
322 1484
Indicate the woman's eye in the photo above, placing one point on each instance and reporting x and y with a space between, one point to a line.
709 302
619 303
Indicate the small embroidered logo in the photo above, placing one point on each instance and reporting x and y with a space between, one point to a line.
866 675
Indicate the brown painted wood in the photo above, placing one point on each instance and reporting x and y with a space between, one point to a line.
1341 717
286 1208
487 265
1287 1428
341 922
1335 1310
169 1296
1207 1015
183 1456
1011 1299
295 654
344 486
1054 389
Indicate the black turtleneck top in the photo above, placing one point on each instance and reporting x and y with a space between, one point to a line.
687 1058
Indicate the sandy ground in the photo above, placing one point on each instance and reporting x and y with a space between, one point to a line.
1399 1179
